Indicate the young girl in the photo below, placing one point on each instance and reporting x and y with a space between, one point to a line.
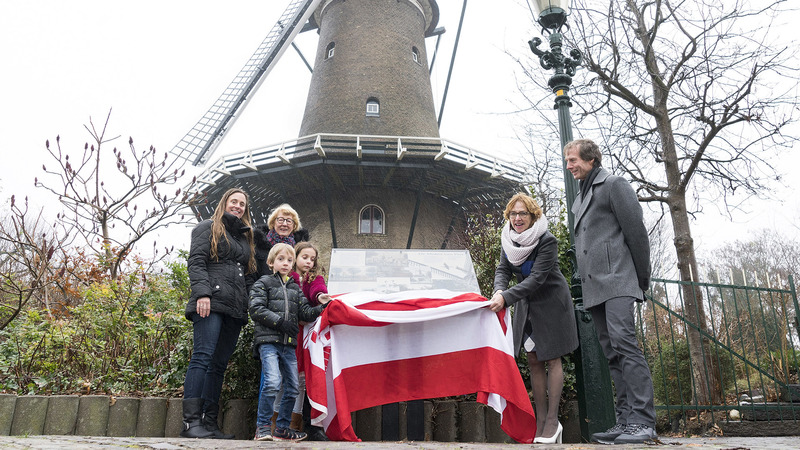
308 275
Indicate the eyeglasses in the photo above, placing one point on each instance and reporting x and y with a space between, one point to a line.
521 214
285 220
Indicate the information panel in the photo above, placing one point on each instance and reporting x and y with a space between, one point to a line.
389 270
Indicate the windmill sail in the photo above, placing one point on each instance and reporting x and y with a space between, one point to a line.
206 135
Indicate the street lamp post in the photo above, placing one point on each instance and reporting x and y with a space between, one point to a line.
591 366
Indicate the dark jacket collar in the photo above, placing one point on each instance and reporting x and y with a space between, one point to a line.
233 224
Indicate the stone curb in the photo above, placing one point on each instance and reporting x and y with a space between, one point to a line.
152 417
472 426
445 421
368 423
93 415
239 418
495 434
62 415
8 403
99 415
122 414
29 415
174 420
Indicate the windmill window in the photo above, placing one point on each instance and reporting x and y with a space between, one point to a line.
415 54
329 50
371 220
373 108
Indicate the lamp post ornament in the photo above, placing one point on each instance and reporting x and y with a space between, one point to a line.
591 367
552 17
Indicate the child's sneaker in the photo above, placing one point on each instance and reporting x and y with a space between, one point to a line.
262 433
287 434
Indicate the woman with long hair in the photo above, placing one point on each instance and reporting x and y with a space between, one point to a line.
222 267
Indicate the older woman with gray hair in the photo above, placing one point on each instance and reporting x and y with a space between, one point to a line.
544 321
283 226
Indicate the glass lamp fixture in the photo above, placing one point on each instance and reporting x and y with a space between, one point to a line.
552 13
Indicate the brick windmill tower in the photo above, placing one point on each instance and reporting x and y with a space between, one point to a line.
369 169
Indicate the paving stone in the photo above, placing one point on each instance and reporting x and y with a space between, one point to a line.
117 443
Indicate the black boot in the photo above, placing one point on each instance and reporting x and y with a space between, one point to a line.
210 422
314 433
192 423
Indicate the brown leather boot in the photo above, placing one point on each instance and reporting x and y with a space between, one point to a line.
297 422
273 424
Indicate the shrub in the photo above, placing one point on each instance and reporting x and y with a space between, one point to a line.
125 336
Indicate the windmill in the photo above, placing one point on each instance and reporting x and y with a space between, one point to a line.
369 169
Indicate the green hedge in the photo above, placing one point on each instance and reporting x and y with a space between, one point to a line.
126 336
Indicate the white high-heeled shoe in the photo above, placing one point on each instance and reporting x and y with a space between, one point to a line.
556 439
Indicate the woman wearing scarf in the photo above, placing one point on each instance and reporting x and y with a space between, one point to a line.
544 321
283 225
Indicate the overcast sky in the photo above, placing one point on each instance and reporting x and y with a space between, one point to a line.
161 64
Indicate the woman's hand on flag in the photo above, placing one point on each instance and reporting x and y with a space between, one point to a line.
497 302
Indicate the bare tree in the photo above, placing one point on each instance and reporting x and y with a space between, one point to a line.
765 258
27 249
691 100
122 189
545 178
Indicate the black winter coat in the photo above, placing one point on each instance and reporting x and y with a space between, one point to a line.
263 246
224 280
272 300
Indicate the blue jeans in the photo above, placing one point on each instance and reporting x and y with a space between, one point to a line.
278 362
215 340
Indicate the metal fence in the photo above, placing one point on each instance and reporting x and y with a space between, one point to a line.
722 351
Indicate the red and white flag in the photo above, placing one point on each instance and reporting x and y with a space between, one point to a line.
370 349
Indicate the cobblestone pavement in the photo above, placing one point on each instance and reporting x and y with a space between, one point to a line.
113 443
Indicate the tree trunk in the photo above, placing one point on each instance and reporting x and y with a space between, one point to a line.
705 376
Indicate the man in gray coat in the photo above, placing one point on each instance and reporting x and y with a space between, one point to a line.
613 254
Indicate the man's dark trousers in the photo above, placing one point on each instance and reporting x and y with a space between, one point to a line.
616 332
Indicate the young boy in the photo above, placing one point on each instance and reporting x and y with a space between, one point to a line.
276 305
